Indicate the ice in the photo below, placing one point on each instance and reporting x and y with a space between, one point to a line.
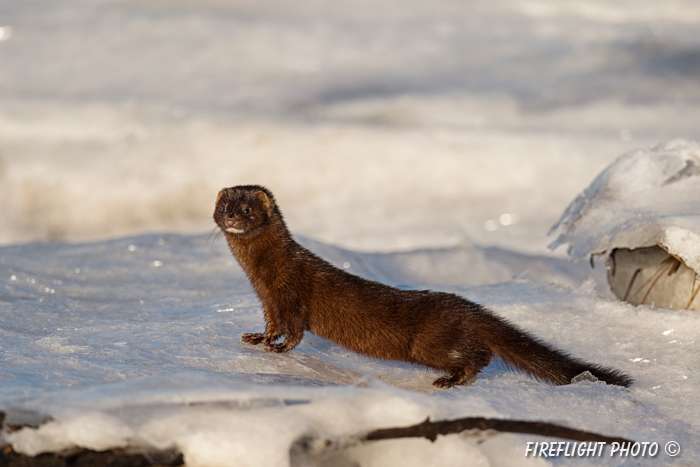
118 288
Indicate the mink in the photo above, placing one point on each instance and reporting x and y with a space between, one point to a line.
301 292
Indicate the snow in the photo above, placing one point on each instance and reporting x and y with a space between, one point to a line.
421 145
392 106
683 243
646 197
123 352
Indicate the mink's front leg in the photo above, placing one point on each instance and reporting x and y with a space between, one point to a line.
253 338
256 338
272 331
290 341
268 337
292 323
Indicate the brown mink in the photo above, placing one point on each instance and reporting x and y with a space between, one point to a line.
301 292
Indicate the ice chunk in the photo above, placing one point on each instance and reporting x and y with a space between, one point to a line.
641 212
586 376
646 197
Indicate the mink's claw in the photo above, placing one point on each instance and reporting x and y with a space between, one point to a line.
253 338
277 348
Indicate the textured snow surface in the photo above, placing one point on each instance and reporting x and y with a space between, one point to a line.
136 341
646 197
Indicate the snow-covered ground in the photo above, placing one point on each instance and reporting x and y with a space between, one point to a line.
136 340
424 144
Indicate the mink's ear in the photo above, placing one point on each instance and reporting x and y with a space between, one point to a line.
218 197
265 200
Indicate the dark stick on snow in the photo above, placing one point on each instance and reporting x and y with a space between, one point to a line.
431 430
427 429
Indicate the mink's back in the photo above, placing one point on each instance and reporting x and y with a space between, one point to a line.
373 318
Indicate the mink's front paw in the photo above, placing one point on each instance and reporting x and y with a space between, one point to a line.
253 338
270 338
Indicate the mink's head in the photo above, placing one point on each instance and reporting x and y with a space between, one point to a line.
245 210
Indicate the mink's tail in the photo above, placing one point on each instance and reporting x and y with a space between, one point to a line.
542 361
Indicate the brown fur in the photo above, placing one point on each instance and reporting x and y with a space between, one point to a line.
301 292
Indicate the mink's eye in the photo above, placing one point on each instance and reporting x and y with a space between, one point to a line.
246 211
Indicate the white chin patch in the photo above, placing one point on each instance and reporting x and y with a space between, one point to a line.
232 230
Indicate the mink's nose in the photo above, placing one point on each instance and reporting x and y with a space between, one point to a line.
230 222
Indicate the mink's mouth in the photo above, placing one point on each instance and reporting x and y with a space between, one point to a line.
234 230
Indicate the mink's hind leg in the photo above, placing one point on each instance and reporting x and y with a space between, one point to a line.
470 365
458 377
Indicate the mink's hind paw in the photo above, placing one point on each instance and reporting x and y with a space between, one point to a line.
444 382
253 338
458 377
